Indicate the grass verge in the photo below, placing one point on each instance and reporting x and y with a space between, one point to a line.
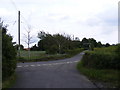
9 82
46 57
108 76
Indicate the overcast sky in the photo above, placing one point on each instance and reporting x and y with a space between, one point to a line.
96 19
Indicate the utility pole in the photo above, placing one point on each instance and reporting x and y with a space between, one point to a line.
19 33
73 37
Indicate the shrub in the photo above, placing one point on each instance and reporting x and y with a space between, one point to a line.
8 55
101 60
74 51
52 50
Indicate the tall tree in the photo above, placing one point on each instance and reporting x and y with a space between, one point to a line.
99 44
28 39
60 41
107 45
21 46
34 48
93 41
56 43
85 43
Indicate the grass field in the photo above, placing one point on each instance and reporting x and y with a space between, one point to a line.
39 56
34 56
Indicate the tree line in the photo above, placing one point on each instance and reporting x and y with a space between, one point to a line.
60 43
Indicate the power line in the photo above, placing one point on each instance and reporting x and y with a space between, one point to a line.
16 8
13 3
26 23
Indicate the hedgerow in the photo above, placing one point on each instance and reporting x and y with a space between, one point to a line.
8 55
102 58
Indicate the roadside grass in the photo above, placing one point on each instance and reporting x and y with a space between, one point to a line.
102 58
102 65
109 76
106 49
42 56
33 54
9 82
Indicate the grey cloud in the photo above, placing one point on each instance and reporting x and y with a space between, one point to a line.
110 16
106 18
65 18
93 22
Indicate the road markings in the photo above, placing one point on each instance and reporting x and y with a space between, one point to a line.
76 61
26 65
48 64
38 65
32 65
44 64
67 62
54 64
57 63
19 66
70 62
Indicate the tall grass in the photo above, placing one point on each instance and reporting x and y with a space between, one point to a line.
102 58
24 55
33 54
108 76
9 82
42 56
102 64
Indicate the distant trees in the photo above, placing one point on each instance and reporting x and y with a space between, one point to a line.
17 46
46 43
107 45
34 48
56 43
28 39
91 43
59 43
99 44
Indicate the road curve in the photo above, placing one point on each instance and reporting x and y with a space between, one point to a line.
51 74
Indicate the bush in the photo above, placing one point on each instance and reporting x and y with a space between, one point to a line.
101 60
74 51
118 51
8 55
109 78
52 50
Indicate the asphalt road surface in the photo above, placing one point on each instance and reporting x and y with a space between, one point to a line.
52 74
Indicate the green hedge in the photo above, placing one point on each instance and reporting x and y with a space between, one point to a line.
8 56
74 51
101 60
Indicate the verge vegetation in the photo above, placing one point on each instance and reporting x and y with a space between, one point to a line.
42 56
8 59
102 65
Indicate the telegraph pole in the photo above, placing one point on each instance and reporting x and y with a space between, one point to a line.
19 34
